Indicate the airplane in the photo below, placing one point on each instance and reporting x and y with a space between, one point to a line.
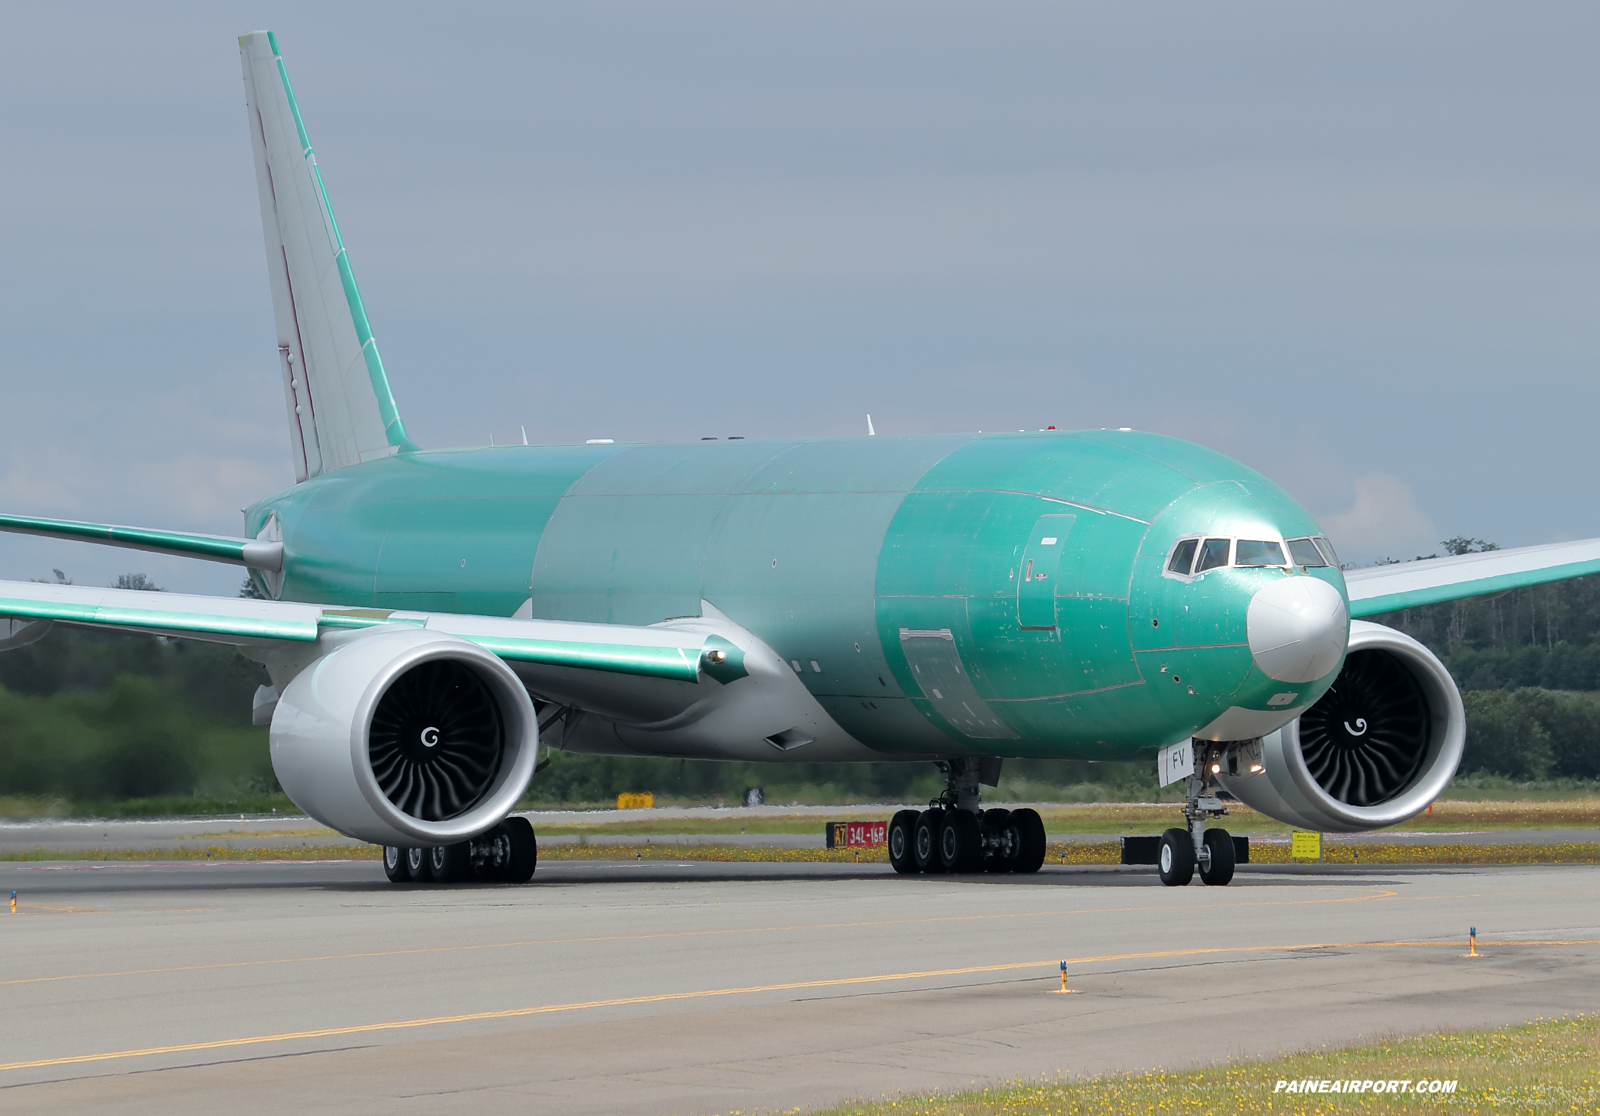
429 617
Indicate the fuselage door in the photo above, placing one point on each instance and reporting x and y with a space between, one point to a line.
1038 569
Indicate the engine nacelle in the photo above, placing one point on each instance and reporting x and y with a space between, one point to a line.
1380 745
405 737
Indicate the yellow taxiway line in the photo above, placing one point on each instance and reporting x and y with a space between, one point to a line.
799 927
702 994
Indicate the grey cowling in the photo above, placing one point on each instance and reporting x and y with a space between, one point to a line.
1375 750
395 790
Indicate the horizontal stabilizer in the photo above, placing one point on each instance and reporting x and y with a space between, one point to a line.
257 554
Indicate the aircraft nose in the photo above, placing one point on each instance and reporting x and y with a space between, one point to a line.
1297 628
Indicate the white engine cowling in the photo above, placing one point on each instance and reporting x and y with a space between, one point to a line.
1380 745
405 737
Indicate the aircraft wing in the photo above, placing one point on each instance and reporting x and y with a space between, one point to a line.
672 654
1378 589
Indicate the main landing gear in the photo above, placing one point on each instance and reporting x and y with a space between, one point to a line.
953 835
505 854
1209 850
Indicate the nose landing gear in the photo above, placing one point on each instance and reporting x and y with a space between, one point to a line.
1209 850
1177 858
1216 869
953 835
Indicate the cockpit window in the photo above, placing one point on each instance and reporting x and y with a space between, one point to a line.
1213 553
1327 550
1183 556
1305 553
1258 552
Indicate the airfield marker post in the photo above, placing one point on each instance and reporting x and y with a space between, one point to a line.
1472 941
13 902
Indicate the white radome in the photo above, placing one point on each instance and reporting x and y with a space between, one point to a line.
1297 629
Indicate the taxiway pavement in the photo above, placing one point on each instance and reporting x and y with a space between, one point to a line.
673 987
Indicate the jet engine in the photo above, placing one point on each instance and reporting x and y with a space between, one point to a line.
1380 745
405 737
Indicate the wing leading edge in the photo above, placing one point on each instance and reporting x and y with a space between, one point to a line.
650 652
1378 589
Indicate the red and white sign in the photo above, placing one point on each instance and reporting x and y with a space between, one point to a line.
857 835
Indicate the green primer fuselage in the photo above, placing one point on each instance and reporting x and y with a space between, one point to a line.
868 563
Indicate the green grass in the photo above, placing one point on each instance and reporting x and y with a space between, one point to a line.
1546 1066
1058 852
1465 788
1111 819
1099 853
208 852
161 806
1483 787
320 832
1076 808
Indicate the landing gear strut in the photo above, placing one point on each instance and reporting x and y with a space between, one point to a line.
1195 846
953 835
507 853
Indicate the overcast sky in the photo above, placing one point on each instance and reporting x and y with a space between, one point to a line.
1354 245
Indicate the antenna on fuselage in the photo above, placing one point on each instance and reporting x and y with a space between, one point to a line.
870 431
524 435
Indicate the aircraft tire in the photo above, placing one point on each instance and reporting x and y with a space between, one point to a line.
1030 840
903 842
450 863
417 868
925 847
999 820
961 842
524 851
1176 865
394 865
1220 870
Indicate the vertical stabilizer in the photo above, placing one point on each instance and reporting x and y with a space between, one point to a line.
341 411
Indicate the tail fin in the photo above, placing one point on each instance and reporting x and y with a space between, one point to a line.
341 411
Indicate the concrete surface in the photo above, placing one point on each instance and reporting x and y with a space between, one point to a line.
671 987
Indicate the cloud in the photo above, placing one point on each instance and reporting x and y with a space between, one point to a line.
1384 521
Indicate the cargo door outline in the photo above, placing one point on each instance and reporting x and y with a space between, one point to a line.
936 664
1038 570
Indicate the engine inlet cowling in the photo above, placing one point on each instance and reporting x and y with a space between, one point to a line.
1365 741
436 740
405 738
1374 750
